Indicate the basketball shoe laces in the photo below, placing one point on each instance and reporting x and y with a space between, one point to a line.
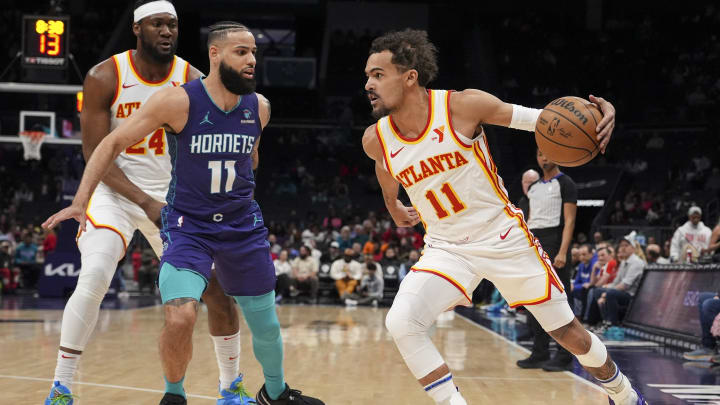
62 399
240 390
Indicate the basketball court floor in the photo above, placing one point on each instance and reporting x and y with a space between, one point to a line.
343 356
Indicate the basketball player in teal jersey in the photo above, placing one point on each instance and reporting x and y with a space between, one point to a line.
132 195
214 126
425 141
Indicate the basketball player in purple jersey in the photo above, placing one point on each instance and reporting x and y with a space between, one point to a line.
132 194
214 125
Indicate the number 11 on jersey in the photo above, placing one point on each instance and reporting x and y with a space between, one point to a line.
216 169
456 204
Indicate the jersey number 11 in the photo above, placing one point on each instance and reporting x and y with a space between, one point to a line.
216 169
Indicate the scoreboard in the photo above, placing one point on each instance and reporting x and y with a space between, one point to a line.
45 41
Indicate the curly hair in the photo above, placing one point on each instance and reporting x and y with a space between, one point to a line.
411 50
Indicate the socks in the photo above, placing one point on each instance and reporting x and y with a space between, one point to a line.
175 388
227 351
65 368
619 389
441 389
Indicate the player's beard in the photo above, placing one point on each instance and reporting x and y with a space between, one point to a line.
380 112
154 53
234 81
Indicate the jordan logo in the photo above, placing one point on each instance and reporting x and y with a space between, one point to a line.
393 154
256 219
206 120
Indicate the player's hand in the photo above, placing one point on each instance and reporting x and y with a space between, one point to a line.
607 123
153 209
405 216
74 211
559 262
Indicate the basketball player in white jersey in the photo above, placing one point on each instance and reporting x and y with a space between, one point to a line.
424 141
132 195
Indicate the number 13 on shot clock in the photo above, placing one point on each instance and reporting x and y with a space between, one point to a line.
45 41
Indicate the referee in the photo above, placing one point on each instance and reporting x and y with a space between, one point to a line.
553 205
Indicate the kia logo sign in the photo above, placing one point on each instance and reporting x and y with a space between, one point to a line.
63 270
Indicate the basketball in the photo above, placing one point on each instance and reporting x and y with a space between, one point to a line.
565 131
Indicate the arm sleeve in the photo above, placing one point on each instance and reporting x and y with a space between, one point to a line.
568 189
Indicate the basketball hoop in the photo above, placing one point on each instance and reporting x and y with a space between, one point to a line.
31 142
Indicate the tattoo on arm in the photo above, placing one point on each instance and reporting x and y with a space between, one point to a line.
178 302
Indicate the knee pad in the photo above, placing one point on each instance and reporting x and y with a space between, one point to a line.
177 283
404 317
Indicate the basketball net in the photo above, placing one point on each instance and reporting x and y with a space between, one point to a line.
31 142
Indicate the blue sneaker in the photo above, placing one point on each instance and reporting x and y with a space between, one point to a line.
640 401
236 394
59 395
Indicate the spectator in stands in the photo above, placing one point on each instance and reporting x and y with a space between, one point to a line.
49 242
604 272
653 255
332 254
304 273
597 238
582 282
283 271
346 272
358 250
360 235
370 290
614 297
344 240
690 238
8 275
528 178
405 267
390 264
26 259
709 308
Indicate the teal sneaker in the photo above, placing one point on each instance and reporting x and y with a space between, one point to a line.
236 394
59 395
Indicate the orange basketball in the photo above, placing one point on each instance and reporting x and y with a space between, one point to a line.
565 131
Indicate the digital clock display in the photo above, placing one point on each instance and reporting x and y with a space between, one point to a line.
45 40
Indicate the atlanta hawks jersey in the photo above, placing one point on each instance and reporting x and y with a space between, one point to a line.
147 163
451 179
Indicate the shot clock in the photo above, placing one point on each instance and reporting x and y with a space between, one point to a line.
45 41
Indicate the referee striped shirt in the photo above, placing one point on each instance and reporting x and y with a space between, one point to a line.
547 199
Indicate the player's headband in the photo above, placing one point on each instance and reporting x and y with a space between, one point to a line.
154 7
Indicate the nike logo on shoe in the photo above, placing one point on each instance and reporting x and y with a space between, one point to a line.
125 86
393 154
67 357
502 237
233 358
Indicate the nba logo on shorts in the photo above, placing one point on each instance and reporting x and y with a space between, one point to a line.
180 222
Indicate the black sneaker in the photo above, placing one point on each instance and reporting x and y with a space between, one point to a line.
288 397
534 361
173 399
558 363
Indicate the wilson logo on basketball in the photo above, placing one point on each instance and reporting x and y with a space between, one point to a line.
570 106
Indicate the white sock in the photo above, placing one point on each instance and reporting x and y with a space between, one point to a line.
619 389
441 389
65 368
227 351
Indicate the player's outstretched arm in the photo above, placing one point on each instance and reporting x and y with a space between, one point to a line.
99 90
471 107
402 215
166 108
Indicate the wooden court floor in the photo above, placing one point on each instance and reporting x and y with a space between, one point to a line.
343 356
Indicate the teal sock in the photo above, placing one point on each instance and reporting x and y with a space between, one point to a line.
175 388
261 317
